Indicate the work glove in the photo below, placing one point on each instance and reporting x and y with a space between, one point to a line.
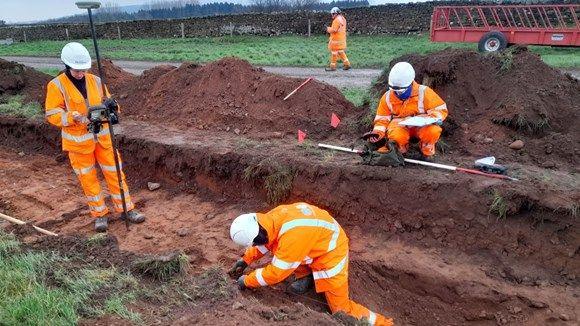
241 283
238 269
79 118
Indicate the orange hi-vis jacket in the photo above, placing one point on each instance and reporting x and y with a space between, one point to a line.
337 31
62 99
391 110
300 234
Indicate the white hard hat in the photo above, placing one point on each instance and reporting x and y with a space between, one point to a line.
334 10
76 56
244 229
401 75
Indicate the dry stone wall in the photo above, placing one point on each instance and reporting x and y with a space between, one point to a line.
386 19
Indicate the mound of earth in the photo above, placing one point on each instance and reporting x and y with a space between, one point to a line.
114 75
494 100
231 95
19 79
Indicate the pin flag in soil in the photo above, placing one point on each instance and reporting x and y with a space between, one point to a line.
301 136
334 120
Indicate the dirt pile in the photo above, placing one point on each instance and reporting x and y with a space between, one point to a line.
496 99
231 95
114 75
19 79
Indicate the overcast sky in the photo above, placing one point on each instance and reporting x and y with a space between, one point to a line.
14 11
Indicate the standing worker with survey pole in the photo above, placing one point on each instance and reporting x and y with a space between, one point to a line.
80 104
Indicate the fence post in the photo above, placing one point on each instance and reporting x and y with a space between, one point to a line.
182 30
231 29
25 40
66 31
309 27
118 31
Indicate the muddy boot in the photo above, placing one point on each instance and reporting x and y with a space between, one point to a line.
301 285
330 69
346 67
427 158
101 224
134 217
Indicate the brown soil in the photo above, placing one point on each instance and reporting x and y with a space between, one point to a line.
19 79
114 76
426 246
496 99
231 95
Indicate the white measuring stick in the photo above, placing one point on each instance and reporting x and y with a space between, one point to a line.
19 222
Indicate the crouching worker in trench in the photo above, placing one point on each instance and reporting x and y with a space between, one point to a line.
403 99
67 100
305 241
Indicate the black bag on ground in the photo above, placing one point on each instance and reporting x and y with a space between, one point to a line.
391 158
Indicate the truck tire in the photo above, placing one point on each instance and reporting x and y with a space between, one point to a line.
492 42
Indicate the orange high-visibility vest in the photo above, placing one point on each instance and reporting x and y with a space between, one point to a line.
423 100
337 31
62 99
301 234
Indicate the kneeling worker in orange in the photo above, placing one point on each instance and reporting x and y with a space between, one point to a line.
67 100
337 41
306 241
406 98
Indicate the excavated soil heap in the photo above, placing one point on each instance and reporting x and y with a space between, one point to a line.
115 76
496 99
231 95
19 79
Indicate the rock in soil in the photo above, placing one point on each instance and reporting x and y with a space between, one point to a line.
153 185
517 145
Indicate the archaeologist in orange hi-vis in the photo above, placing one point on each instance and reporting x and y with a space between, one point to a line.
406 98
68 97
337 41
305 241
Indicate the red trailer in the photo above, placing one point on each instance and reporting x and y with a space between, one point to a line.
494 27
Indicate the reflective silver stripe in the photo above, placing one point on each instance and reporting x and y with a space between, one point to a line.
331 272
50 112
420 103
118 197
98 208
77 139
111 168
99 86
120 205
440 107
380 128
96 198
334 239
372 318
84 170
284 264
58 84
307 260
382 118
263 249
260 278
387 100
64 119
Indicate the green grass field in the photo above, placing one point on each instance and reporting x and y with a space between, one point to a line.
363 51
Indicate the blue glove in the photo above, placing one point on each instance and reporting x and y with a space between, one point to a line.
241 283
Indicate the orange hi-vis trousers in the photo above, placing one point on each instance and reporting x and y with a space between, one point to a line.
339 301
428 137
84 166
334 55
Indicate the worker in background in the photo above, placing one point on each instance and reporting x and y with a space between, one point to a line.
67 100
406 98
305 241
337 41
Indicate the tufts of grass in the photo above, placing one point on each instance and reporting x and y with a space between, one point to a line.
344 319
359 96
97 239
8 245
212 284
442 146
15 105
163 267
519 122
51 71
498 205
277 179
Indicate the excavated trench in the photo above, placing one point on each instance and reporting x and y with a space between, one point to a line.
425 248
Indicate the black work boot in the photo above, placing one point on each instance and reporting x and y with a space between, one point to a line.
101 224
135 217
302 285
330 68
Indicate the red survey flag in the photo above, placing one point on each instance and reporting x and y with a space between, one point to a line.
301 136
334 120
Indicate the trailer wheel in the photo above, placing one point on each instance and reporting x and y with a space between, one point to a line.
492 42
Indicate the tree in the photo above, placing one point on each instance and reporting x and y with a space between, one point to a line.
2 23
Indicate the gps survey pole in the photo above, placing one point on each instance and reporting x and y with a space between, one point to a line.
90 5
